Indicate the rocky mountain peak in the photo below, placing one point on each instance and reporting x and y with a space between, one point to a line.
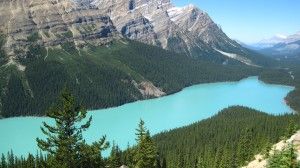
186 29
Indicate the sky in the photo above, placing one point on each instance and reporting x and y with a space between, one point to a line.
251 21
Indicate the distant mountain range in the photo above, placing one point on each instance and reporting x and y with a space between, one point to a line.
278 46
285 50
277 39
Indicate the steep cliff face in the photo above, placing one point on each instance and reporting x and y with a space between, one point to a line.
50 22
185 30
148 21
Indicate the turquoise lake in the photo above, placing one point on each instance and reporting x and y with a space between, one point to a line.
192 104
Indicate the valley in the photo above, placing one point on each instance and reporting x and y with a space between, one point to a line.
146 84
192 104
104 76
106 59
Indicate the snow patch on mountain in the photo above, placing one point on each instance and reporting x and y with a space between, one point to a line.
236 57
277 39
175 13
230 55
281 36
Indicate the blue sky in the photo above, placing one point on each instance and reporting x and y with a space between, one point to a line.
251 20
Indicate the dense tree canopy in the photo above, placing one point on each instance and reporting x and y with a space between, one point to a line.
103 76
227 140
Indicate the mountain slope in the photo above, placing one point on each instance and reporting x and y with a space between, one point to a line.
261 161
83 44
279 46
100 77
278 39
283 50
228 139
185 30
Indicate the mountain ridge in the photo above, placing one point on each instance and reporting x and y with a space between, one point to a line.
186 30
275 40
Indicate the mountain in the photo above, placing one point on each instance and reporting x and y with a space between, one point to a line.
110 52
283 50
185 30
278 39
267 43
191 31
279 46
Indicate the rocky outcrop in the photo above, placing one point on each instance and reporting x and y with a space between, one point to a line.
184 30
261 162
148 90
123 166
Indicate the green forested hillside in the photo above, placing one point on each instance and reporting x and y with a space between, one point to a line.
288 74
226 140
101 76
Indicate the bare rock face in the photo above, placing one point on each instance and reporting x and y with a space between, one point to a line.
53 21
185 30
140 29
158 22
148 90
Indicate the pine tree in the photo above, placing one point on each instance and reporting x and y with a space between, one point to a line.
3 161
64 142
30 162
225 160
180 161
39 158
127 156
244 153
146 152
11 159
267 149
90 155
164 163
218 157
115 157
158 162
234 162
200 162
291 129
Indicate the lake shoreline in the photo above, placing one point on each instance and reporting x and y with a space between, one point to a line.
192 104
170 94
